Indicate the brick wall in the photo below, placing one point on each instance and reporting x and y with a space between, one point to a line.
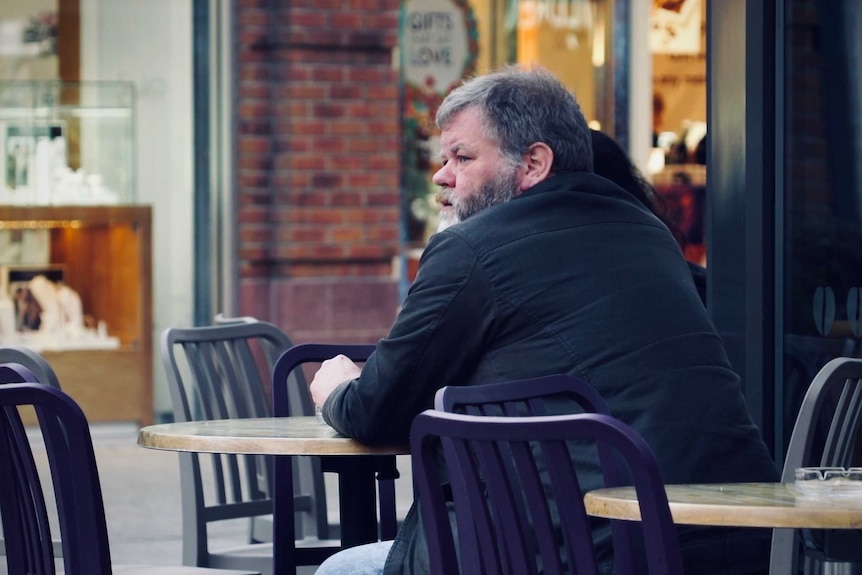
318 165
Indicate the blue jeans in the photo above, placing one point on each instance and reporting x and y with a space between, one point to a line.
361 560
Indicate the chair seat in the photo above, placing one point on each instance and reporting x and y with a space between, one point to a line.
262 531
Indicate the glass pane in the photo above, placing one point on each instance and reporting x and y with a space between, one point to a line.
822 192
678 160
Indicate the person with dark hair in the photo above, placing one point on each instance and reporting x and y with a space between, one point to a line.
611 162
551 269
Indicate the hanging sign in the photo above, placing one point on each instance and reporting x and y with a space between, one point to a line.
440 45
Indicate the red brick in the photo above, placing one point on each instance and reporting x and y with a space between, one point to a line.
348 127
384 162
254 144
328 144
298 72
300 127
253 215
254 162
348 20
326 180
383 21
363 180
253 91
254 109
251 18
248 179
345 91
376 251
327 110
316 216
364 5
390 198
363 216
382 92
387 233
301 234
308 91
342 162
308 18
362 145
345 234
306 162
346 198
328 74
255 234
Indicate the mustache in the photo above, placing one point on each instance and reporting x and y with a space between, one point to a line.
443 197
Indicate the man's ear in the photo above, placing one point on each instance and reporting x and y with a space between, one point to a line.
537 165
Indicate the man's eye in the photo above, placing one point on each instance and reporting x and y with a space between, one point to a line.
462 159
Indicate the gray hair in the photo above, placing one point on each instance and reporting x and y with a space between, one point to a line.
520 107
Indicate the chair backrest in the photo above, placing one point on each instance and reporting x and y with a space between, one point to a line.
493 467
824 434
73 475
548 395
20 365
521 397
224 372
291 360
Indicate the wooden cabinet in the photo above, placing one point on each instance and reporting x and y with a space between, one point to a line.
106 253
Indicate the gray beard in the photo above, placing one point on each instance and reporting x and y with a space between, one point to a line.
446 219
501 188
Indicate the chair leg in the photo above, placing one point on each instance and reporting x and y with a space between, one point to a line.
388 519
387 473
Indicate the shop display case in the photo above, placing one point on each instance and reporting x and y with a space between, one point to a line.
67 143
105 255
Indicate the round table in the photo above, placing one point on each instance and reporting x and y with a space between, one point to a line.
260 436
774 505
357 466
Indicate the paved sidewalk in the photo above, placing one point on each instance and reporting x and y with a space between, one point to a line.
141 490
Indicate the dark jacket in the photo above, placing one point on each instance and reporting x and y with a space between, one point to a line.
573 276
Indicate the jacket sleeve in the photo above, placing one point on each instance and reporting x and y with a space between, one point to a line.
436 340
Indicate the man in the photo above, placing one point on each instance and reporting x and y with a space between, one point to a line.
550 269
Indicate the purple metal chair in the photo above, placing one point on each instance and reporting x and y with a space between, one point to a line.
73 466
548 395
20 364
496 487
76 488
381 468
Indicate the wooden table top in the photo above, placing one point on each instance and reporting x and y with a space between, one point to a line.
737 504
259 436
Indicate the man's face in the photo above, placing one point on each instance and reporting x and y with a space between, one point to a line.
474 175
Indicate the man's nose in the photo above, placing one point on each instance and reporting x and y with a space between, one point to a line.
443 177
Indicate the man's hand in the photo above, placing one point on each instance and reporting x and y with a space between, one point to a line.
332 373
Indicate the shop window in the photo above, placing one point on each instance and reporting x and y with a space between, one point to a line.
678 161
